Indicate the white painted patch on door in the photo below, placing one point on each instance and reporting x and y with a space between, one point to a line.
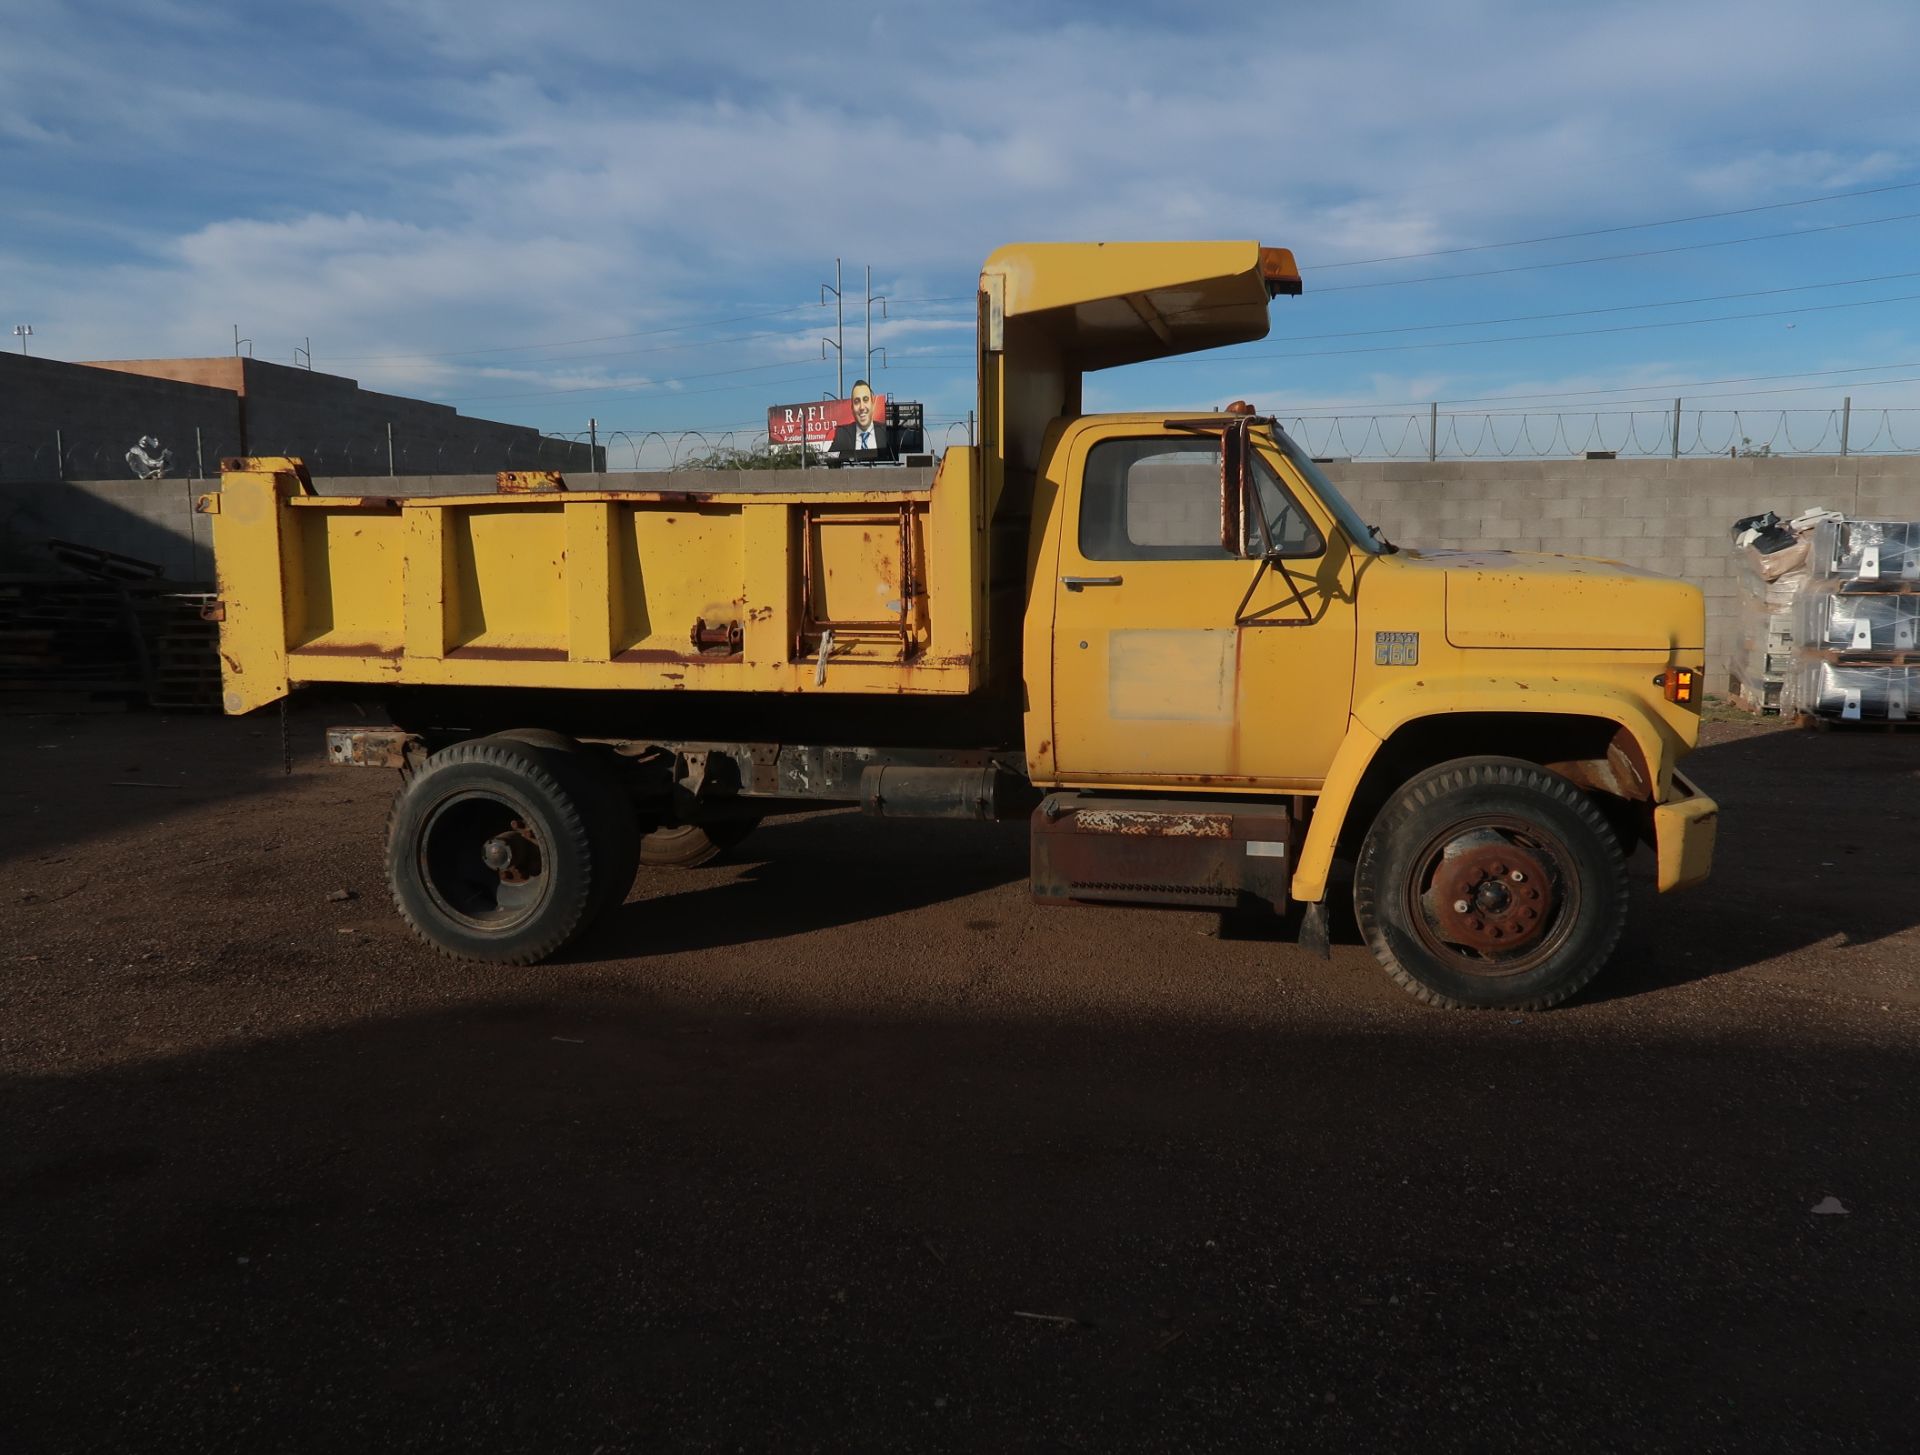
1170 676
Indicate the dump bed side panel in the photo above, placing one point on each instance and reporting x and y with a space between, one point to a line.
868 591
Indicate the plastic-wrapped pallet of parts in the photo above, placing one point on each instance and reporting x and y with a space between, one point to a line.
1773 557
1858 654
1762 652
1846 692
1832 620
1868 555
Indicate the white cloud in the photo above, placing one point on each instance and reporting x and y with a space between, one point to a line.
446 175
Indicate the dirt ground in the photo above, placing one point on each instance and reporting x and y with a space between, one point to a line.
844 1144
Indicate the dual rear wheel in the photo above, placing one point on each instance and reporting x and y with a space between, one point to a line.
507 848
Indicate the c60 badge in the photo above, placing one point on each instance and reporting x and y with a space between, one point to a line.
1396 649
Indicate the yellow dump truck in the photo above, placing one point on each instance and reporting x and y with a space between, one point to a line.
1165 638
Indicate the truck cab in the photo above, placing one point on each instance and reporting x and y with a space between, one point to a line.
1483 734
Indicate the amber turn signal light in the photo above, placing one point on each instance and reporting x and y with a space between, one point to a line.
1279 272
1682 685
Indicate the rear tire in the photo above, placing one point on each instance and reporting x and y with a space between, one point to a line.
1491 883
689 845
597 785
667 845
490 855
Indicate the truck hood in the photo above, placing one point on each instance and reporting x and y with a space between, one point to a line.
1535 600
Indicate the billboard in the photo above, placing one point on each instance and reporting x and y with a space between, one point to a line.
814 421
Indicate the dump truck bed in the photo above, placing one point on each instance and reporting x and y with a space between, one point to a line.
851 591
840 591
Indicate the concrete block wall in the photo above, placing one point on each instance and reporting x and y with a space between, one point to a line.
714 481
243 406
1670 516
341 429
98 415
153 520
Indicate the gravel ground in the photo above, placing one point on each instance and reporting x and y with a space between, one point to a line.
845 1144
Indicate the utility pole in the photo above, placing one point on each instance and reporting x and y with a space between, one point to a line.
307 352
871 300
23 332
237 341
839 338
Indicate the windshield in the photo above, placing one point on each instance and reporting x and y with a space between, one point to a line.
1357 530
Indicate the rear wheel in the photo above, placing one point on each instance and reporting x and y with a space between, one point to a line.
1490 882
689 845
490 855
601 791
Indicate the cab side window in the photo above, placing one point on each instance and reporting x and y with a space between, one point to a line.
1159 500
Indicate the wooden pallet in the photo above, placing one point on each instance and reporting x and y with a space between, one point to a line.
78 644
1818 722
1888 586
1861 657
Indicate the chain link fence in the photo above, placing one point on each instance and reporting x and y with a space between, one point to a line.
1428 434
737 448
1676 433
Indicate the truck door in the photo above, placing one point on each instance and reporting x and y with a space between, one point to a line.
1165 670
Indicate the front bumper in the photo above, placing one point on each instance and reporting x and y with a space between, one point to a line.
1683 833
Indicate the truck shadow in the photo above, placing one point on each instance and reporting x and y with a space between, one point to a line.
82 777
793 876
1818 835
615 1218
1817 831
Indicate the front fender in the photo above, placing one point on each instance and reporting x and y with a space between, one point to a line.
1385 712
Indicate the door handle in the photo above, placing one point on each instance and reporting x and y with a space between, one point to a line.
1080 583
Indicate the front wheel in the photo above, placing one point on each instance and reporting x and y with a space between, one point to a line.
1491 883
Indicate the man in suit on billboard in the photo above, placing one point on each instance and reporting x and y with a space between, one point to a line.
866 438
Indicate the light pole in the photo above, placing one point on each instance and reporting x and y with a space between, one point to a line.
23 332
871 300
839 338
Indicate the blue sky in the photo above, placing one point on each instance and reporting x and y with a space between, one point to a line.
545 213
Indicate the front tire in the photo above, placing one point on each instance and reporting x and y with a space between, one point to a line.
1491 883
